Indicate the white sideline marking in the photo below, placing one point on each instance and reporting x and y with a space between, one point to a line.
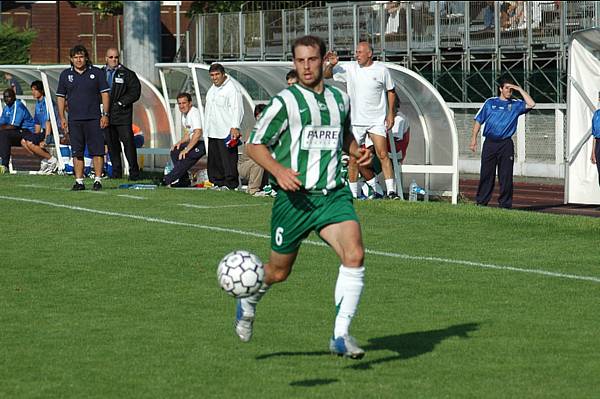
131 196
220 206
317 243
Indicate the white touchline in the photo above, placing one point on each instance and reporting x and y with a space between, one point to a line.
131 196
220 206
318 243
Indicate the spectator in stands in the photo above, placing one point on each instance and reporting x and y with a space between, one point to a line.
16 124
43 128
125 89
372 98
291 77
249 170
500 115
187 151
222 121
489 13
13 83
84 86
596 139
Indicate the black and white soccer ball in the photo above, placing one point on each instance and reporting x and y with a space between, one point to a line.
240 273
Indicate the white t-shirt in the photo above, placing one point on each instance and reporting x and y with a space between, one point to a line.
367 88
191 121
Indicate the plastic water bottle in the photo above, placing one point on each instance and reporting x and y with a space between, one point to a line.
168 168
412 191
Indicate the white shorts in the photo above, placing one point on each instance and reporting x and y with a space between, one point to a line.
360 133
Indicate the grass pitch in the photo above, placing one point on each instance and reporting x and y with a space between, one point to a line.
114 294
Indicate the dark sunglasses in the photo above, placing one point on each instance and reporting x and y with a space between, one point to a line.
113 56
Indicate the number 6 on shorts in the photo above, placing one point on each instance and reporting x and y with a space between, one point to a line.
279 236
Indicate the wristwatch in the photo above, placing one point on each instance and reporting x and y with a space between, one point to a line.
105 114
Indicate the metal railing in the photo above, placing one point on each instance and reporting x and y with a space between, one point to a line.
399 27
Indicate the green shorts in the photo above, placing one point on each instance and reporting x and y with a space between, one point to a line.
296 214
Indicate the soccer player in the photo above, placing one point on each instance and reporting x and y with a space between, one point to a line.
595 158
299 139
500 115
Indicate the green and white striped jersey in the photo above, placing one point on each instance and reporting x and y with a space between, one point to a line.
304 131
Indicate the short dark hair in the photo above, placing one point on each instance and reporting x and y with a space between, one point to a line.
505 80
9 92
259 109
309 41
216 67
292 74
39 86
185 95
79 49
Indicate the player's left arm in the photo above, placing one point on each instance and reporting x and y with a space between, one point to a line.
529 103
106 109
350 146
237 112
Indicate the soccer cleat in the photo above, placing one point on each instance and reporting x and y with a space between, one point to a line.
392 196
43 167
78 187
51 166
375 195
346 346
97 186
243 323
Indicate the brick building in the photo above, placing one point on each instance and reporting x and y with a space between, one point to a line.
62 24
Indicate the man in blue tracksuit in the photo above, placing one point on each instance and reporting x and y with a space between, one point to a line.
596 139
500 116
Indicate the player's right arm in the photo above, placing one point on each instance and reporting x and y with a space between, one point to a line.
286 178
474 134
593 158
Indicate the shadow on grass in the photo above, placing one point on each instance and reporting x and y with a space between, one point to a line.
313 383
406 346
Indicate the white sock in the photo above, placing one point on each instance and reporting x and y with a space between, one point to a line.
347 295
354 188
249 304
80 181
389 185
52 159
97 179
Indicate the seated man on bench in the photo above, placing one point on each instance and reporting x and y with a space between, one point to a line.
16 125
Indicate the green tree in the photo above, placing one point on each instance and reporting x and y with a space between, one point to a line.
15 44
102 7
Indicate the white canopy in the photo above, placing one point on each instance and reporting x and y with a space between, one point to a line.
432 156
581 176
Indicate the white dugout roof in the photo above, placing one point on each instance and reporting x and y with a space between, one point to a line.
581 176
432 155
150 113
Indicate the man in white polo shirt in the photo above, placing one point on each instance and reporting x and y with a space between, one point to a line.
222 121
372 98
187 151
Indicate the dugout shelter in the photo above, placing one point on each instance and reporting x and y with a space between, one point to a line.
432 156
150 112
583 88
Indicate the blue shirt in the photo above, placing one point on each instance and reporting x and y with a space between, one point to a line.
41 115
82 92
596 124
500 117
17 115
